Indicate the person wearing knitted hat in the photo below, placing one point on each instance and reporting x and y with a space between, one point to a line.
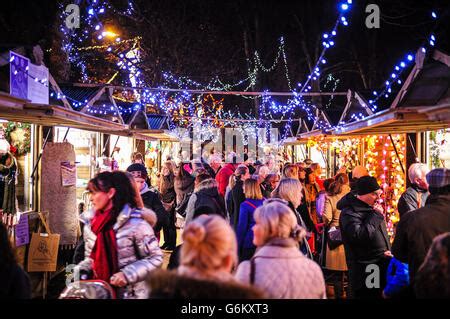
417 228
366 241
357 172
150 198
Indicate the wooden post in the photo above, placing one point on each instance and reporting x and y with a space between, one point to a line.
411 155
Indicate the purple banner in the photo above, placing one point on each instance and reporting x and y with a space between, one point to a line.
18 75
22 231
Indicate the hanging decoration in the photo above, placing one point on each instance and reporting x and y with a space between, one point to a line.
18 136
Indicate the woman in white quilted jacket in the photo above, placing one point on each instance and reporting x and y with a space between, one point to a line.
278 267
120 245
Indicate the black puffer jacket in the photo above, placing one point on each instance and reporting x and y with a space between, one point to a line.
205 200
364 235
237 198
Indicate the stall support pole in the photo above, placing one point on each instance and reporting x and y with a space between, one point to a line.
396 152
303 152
65 135
39 158
106 144
114 146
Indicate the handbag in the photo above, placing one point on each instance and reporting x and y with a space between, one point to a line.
181 207
334 238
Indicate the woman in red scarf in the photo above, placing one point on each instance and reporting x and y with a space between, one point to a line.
121 247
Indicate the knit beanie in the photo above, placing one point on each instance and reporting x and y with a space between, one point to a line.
137 170
366 185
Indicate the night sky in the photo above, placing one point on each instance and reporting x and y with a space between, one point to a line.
204 39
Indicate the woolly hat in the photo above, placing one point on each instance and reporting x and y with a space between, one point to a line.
137 170
366 185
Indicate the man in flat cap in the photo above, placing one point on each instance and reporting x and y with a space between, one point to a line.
417 228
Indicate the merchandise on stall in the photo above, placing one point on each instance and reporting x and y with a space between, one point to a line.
8 176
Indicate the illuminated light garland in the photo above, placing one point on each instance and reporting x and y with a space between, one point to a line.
395 76
327 43
391 179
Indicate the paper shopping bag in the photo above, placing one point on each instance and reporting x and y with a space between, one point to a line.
43 251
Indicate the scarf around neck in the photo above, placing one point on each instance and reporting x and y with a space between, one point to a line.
104 252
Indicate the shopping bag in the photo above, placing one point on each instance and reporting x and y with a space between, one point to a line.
43 251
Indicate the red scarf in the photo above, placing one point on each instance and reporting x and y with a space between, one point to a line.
104 252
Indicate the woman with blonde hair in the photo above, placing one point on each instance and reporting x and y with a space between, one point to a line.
278 267
290 189
253 199
208 255
290 171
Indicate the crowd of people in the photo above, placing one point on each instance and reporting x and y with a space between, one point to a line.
260 230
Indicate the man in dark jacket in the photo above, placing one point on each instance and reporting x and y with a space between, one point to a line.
150 198
205 199
365 238
416 195
416 230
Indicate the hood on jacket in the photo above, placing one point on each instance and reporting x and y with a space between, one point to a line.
170 284
149 216
145 189
350 200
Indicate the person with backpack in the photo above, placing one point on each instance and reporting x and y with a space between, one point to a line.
205 199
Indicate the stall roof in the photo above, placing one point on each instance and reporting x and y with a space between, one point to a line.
20 110
157 121
421 104
162 135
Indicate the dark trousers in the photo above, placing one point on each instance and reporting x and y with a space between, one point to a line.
358 276
170 231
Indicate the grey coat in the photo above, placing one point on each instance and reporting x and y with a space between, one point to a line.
138 250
